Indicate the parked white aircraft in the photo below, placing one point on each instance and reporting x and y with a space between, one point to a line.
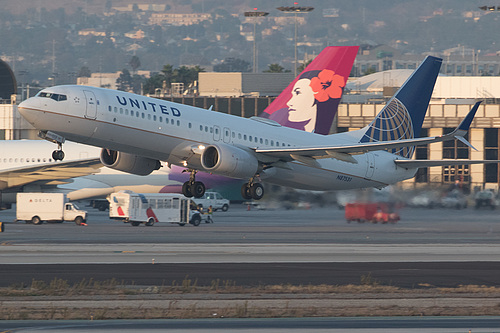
138 132
25 165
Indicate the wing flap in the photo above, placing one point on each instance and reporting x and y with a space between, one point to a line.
49 171
434 163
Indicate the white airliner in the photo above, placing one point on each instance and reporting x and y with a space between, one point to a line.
138 132
27 165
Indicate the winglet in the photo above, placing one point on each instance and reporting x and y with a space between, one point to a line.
462 129
467 121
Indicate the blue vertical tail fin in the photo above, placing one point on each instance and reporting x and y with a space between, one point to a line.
403 116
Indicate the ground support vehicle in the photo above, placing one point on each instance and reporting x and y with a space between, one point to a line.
151 208
100 204
213 199
370 212
485 199
51 207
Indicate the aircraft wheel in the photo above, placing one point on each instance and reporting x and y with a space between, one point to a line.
58 155
245 192
257 191
186 190
198 189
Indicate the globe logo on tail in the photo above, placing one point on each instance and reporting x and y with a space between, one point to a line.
392 123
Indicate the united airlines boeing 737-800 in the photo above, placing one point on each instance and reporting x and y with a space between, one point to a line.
137 132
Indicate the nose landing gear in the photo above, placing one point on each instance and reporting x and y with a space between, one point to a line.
192 188
58 155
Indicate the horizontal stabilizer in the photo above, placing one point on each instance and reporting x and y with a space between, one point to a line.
434 163
341 151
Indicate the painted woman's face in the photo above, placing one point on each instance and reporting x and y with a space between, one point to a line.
301 106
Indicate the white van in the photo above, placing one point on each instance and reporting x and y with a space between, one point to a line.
213 199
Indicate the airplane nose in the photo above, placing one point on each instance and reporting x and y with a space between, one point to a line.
28 107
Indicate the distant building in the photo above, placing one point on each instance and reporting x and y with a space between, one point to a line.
142 7
91 32
243 84
100 80
178 19
105 80
138 34
456 62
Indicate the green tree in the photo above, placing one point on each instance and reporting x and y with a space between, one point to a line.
154 82
168 75
134 63
84 72
276 68
303 66
233 65
124 81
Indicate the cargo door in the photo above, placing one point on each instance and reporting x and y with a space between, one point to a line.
91 105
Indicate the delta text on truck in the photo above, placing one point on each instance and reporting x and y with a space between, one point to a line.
51 207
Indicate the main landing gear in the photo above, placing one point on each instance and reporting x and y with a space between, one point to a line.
192 188
252 190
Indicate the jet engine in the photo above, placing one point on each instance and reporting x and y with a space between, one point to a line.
229 161
134 164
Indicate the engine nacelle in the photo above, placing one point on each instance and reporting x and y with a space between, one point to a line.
134 164
229 161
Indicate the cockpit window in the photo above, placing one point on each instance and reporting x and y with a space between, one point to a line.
55 97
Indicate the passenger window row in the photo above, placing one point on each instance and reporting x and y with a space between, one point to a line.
206 129
27 160
143 115
244 137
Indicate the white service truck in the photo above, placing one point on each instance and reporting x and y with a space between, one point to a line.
151 208
53 207
213 199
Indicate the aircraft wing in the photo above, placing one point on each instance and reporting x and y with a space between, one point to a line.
344 152
433 163
48 172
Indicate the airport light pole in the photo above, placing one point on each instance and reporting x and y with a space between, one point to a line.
255 14
490 8
295 10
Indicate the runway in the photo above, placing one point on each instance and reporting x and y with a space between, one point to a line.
317 246
397 274
275 325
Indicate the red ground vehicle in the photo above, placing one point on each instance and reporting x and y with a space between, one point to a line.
370 212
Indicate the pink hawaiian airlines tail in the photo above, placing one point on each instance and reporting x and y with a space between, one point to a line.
310 102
